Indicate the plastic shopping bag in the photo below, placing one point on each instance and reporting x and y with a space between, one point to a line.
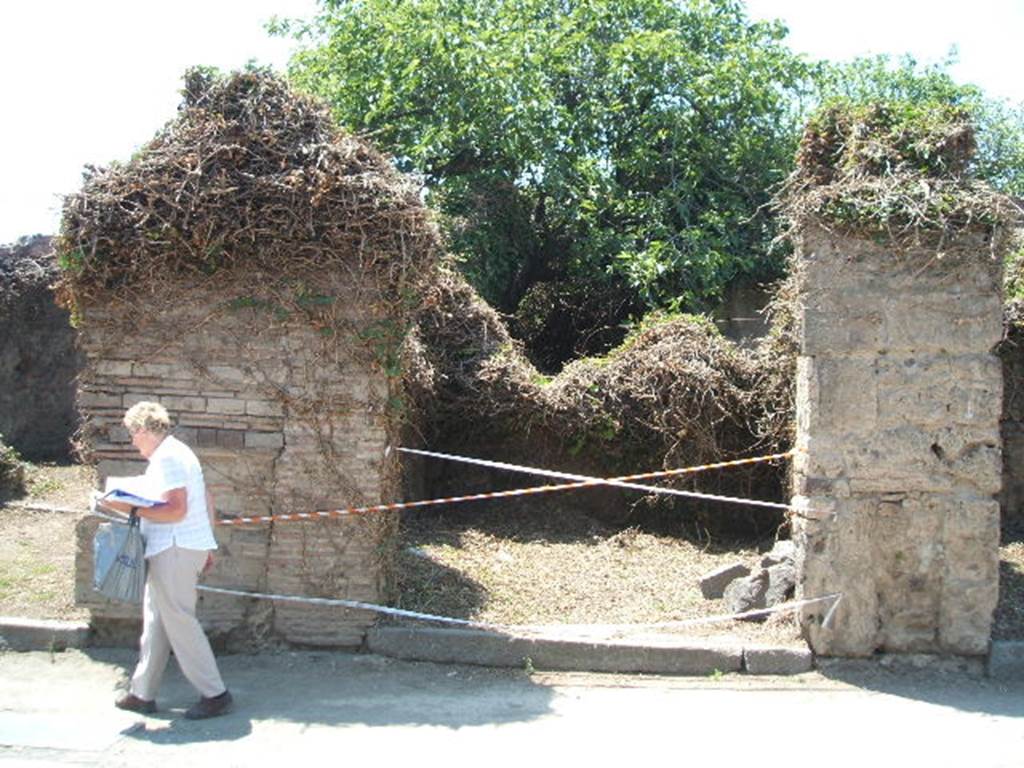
119 562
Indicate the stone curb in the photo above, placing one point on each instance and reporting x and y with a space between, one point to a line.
772 660
490 649
1006 660
447 646
43 634
495 650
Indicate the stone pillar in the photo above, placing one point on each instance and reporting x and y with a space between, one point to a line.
898 407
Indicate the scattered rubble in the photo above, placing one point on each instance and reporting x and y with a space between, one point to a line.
741 590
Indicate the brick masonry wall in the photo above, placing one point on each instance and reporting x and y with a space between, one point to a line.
283 419
898 407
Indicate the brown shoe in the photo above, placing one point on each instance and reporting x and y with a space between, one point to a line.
210 707
133 703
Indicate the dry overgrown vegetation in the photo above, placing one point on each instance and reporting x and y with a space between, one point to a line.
251 178
674 394
896 171
255 207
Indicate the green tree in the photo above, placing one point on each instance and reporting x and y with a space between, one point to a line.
630 142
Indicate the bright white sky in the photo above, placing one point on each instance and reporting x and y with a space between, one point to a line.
89 81
988 34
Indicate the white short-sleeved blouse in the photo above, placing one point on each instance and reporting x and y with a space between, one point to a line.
174 465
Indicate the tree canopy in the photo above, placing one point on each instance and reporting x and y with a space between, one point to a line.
631 140
624 149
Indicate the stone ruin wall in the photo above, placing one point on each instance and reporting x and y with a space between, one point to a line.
899 396
899 409
1012 498
39 361
241 400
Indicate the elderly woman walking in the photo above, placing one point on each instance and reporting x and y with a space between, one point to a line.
179 544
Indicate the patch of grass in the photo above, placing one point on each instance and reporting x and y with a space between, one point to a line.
24 578
40 485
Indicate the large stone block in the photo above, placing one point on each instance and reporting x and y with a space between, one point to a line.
827 331
155 370
257 407
713 584
943 322
939 390
965 619
858 322
223 405
263 441
184 404
971 575
113 367
833 263
909 459
838 393
95 398
835 557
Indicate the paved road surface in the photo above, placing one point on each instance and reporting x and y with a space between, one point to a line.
316 708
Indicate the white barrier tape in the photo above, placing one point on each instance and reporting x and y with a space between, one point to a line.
599 480
342 603
721 619
395 506
529 628
831 612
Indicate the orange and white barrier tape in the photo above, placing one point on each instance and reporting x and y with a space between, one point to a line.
579 482
587 480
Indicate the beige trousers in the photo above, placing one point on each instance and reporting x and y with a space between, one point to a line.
169 623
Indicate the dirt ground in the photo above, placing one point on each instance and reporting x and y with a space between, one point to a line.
37 547
538 565
542 564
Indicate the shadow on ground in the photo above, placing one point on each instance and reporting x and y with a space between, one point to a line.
331 688
952 682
